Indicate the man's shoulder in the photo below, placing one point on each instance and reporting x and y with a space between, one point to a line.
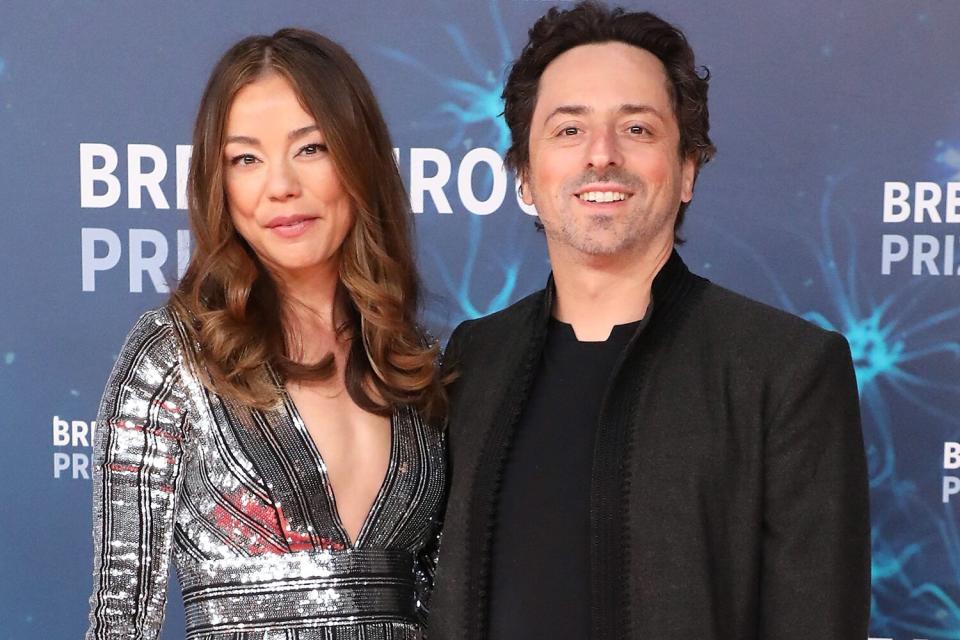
496 325
734 307
751 325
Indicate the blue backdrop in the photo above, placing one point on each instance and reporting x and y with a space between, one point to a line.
835 195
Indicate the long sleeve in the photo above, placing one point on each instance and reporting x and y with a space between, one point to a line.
136 473
816 537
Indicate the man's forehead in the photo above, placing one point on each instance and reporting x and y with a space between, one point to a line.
605 76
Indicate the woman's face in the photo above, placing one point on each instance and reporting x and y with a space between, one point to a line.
283 192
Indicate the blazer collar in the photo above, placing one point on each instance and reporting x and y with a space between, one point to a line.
670 285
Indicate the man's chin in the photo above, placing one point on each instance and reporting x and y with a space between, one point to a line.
594 247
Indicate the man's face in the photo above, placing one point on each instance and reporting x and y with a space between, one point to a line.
605 172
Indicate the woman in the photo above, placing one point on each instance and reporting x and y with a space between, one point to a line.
269 428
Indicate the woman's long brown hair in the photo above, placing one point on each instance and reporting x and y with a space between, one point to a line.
231 305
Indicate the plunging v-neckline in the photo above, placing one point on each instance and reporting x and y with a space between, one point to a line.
378 498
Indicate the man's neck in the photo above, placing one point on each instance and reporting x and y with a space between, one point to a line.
597 293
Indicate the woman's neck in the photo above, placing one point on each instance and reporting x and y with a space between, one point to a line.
309 302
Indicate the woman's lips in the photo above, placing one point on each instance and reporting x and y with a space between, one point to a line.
291 226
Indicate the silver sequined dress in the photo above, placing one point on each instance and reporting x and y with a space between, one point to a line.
239 498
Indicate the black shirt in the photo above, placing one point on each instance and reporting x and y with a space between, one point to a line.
540 581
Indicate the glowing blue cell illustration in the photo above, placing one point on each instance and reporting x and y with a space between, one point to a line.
472 113
473 104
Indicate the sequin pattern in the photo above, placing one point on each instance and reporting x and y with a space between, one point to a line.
240 500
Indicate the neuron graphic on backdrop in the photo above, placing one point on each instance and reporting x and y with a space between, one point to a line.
893 340
923 607
472 113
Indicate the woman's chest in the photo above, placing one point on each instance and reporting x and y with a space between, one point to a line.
255 482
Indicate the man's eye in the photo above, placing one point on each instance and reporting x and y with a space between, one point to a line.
569 131
636 129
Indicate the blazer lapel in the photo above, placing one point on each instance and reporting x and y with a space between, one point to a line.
517 364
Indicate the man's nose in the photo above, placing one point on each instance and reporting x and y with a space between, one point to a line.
604 149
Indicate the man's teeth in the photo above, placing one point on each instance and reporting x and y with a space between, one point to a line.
602 196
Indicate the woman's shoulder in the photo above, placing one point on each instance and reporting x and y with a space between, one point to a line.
158 336
149 369
158 323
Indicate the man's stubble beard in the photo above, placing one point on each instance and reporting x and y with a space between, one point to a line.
596 236
602 235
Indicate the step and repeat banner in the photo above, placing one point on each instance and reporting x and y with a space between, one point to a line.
835 195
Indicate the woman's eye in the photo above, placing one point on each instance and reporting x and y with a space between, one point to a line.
313 149
243 159
569 131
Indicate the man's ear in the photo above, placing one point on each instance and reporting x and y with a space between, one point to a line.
688 175
523 185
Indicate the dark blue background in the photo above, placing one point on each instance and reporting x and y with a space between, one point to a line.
814 105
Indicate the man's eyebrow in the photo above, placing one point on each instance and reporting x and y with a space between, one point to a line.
631 109
293 135
625 109
568 110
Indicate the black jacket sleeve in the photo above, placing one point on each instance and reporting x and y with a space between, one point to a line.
816 531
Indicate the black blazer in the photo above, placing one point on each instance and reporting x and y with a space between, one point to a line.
729 496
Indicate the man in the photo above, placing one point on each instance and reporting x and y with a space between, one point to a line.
635 451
